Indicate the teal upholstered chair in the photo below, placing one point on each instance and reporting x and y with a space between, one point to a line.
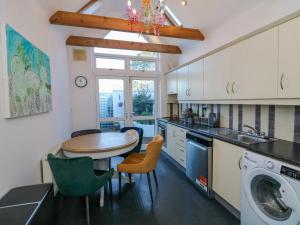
76 177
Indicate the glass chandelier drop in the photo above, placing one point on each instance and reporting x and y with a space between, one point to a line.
151 16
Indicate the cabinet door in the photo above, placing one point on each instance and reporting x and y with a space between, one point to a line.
172 82
196 80
226 171
289 59
182 83
171 140
217 84
255 66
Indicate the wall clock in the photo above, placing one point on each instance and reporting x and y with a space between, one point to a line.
80 81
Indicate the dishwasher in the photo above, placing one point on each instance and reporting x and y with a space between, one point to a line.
199 162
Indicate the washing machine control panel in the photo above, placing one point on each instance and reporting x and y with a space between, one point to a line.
290 172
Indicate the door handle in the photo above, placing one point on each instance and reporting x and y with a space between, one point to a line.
227 86
281 81
232 87
240 161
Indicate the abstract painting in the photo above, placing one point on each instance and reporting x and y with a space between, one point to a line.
27 76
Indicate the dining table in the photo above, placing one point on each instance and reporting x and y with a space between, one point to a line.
101 147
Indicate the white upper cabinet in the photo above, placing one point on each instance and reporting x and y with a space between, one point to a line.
195 91
217 82
289 59
190 82
255 66
183 83
172 82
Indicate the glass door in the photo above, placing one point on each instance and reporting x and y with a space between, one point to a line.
124 101
144 105
112 105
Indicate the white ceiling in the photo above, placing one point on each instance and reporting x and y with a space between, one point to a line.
206 15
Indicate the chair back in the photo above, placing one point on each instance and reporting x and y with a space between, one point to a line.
74 176
84 132
153 153
140 131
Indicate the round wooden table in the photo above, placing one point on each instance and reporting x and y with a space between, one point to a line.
101 145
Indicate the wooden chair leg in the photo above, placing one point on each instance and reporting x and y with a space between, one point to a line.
150 187
129 175
155 178
120 185
110 191
87 206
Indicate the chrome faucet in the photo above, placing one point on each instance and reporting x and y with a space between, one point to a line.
252 130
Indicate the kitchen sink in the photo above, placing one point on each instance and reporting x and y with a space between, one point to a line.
247 139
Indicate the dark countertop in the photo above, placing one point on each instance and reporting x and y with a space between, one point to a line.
285 151
17 215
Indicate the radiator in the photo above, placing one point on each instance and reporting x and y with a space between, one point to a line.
46 171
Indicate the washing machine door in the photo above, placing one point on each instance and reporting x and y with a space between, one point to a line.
272 197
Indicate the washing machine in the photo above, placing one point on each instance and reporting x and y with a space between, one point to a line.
270 191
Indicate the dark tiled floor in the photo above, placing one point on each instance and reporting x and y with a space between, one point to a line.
176 203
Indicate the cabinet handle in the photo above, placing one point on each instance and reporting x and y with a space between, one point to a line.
227 86
232 87
186 92
189 92
281 81
174 134
240 161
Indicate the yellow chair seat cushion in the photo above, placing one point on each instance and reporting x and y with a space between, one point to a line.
131 163
143 162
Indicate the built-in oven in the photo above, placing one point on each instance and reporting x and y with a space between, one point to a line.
162 130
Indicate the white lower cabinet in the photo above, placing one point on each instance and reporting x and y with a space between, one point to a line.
176 143
227 172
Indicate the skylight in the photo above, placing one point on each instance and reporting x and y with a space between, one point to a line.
124 36
172 16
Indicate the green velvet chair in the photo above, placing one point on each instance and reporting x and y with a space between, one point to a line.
76 177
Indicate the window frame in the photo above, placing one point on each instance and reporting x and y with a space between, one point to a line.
127 69
104 56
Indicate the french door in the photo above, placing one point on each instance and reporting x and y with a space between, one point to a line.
127 101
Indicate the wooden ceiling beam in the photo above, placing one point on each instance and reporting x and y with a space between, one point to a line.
110 23
128 45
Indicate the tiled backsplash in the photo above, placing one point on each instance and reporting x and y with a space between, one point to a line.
276 121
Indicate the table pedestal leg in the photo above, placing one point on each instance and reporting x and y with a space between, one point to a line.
101 164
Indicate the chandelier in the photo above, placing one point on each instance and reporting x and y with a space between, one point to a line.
151 16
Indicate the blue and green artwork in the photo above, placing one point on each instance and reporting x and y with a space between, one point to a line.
29 80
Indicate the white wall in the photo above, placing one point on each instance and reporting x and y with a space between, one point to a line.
83 100
23 141
263 14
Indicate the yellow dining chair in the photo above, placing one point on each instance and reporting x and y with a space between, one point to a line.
142 163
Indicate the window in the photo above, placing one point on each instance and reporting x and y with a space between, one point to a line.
111 51
142 65
110 63
120 59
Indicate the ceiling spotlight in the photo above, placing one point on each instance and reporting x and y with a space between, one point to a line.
184 2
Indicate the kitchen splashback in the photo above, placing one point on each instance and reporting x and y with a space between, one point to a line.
276 121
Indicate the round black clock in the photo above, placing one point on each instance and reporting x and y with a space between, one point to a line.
80 81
